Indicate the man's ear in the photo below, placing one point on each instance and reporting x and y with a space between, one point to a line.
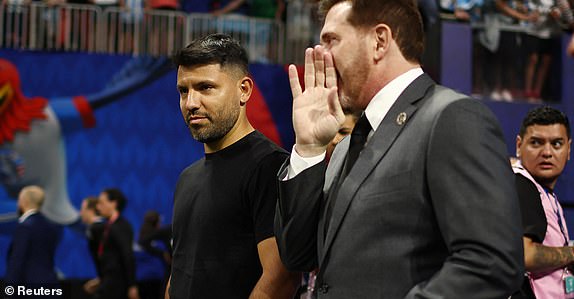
246 87
383 38
518 144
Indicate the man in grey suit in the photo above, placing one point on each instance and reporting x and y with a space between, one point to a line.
428 210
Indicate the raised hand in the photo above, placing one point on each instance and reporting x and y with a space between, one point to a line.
317 113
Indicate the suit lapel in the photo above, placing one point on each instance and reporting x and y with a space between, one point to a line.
374 151
331 183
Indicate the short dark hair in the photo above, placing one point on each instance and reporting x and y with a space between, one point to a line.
216 48
402 16
117 196
544 116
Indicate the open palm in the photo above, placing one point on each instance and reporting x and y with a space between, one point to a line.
317 113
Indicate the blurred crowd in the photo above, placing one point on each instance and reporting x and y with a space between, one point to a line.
517 44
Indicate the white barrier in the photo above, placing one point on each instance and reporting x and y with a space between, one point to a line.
88 28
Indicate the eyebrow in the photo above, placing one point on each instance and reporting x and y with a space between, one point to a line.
326 35
550 138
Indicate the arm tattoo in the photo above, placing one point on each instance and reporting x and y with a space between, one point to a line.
548 258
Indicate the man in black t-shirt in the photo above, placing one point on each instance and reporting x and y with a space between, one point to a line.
543 148
223 242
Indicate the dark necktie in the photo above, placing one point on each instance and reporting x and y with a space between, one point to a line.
357 143
104 238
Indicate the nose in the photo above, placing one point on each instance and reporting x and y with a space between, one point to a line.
192 101
547 150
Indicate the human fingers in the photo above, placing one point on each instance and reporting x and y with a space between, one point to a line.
330 73
309 69
319 63
335 108
294 81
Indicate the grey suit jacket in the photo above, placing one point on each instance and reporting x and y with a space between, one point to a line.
428 211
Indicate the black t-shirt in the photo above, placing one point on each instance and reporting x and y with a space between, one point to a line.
533 222
533 216
224 204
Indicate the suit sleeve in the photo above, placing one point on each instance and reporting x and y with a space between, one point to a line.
19 248
123 236
471 187
297 217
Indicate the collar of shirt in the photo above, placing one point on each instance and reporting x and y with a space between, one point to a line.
26 215
114 217
388 95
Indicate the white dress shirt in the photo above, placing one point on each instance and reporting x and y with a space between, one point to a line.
26 215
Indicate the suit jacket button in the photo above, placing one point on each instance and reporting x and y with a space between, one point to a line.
324 288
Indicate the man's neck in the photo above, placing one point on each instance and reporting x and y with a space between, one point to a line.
235 134
115 215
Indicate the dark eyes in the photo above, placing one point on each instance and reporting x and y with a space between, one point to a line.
555 144
205 87
199 87
344 131
182 90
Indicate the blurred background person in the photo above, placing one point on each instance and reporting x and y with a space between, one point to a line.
222 7
503 46
31 254
270 10
345 129
155 239
542 38
94 230
115 252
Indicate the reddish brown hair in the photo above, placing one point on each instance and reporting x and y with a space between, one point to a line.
402 16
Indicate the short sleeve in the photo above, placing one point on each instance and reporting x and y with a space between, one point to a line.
533 216
262 192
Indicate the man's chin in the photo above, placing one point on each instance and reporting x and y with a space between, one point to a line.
546 180
205 138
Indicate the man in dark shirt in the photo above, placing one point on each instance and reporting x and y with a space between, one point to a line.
115 252
223 242
94 229
543 148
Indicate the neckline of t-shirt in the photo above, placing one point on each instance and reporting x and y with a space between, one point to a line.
231 147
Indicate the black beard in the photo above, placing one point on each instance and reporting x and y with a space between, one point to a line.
214 131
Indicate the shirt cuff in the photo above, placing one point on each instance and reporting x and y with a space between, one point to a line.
298 164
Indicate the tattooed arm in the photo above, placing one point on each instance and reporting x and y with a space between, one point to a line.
543 258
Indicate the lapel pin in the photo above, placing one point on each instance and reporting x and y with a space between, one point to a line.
401 118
